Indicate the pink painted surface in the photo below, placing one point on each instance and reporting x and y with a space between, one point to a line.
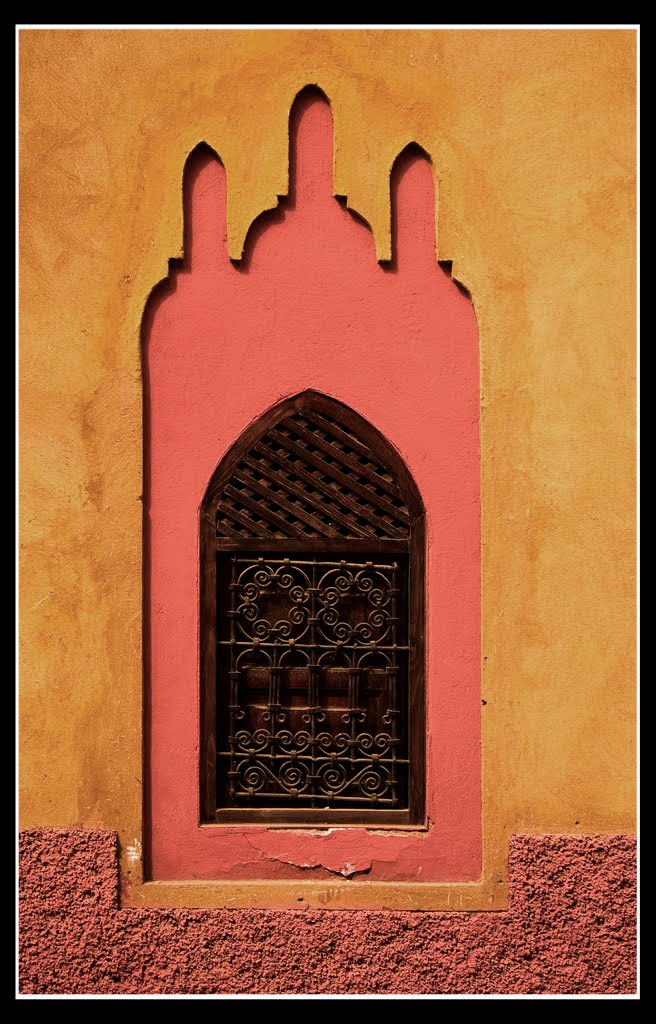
569 928
310 307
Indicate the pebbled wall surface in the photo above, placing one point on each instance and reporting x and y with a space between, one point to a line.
569 928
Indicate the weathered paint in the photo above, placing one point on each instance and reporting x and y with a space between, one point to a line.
312 308
532 140
569 928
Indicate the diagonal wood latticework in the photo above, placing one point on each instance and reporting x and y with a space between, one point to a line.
308 476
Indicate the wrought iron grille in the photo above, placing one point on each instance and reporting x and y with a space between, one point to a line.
313 664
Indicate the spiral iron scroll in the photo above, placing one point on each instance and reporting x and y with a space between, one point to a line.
313 614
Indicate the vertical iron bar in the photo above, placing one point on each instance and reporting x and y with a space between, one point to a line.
393 697
354 703
313 682
274 703
234 694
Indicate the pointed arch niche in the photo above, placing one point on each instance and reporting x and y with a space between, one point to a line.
304 371
312 624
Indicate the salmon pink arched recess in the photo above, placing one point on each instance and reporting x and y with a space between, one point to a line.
309 307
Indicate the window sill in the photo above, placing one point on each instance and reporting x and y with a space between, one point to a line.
328 895
304 818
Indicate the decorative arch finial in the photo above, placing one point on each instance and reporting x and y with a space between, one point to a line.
310 147
413 207
207 232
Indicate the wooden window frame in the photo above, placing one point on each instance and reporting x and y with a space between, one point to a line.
413 548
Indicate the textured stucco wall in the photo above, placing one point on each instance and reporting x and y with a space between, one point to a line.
569 928
532 140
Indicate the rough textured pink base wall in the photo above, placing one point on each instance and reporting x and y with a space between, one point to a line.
569 928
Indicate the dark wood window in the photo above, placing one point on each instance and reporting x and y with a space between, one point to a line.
312 625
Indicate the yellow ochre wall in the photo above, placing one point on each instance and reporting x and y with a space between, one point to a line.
532 136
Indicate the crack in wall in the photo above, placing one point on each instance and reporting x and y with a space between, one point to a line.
347 871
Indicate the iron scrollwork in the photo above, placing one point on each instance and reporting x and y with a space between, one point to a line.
314 654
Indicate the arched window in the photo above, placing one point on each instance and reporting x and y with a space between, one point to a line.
312 624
